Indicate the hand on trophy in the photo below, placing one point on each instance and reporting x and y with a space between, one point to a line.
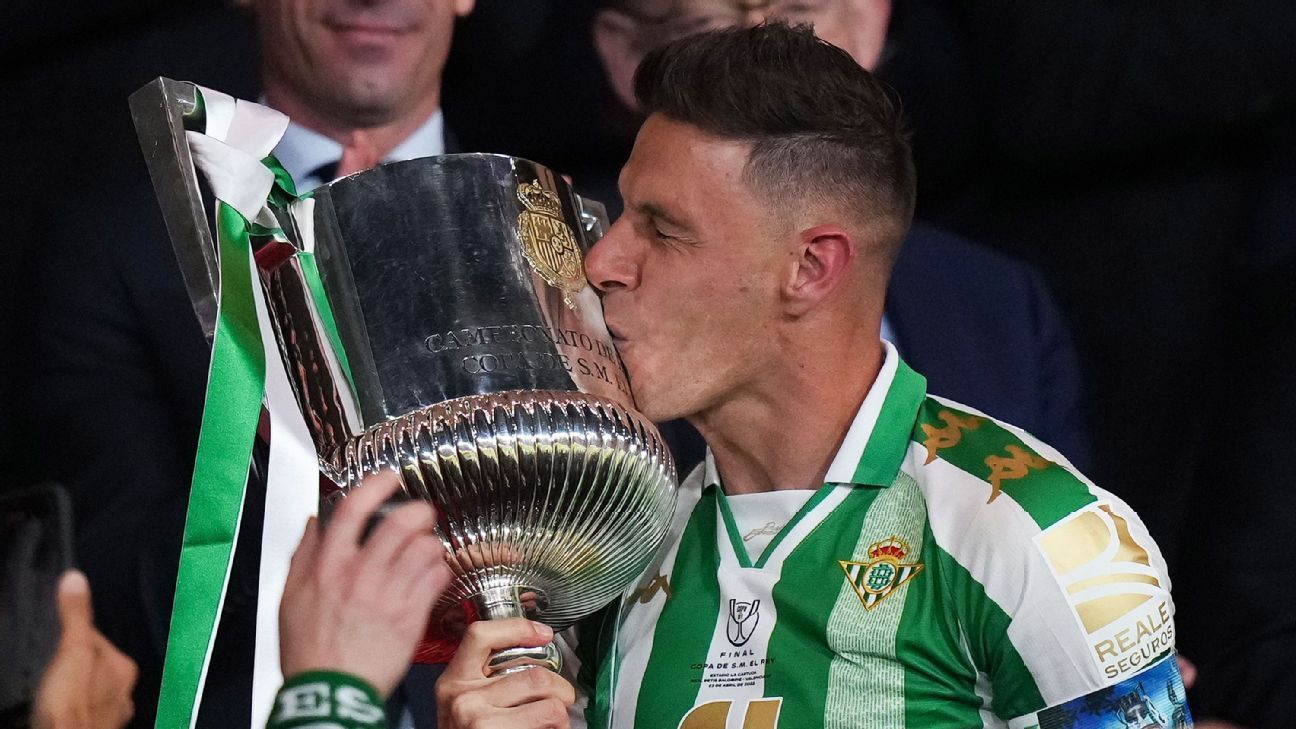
469 698
359 604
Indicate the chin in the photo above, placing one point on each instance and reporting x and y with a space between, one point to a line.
645 402
366 105
658 409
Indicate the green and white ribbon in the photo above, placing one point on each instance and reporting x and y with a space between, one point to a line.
232 152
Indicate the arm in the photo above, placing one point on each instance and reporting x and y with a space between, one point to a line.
1093 626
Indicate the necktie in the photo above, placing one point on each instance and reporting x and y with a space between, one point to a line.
358 154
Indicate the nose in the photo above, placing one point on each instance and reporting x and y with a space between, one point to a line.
612 263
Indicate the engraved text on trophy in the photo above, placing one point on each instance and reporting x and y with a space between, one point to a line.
576 352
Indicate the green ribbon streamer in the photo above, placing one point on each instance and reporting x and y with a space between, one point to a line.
235 386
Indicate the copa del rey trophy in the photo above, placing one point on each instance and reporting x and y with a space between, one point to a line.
432 318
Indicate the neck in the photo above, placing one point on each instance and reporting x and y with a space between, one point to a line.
382 137
783 432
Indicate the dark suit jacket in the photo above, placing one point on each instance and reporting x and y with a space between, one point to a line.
984 330
112 388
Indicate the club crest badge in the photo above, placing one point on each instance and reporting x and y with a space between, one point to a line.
743 618
548 242
883 573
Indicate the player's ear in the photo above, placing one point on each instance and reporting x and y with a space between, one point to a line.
821 260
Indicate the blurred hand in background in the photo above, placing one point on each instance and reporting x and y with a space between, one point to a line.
88 683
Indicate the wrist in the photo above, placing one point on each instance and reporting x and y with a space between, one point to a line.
327 699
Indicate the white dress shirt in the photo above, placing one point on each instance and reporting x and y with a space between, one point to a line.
302 151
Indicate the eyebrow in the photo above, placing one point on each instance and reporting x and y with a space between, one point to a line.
654 210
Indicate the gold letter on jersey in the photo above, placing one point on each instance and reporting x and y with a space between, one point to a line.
761 714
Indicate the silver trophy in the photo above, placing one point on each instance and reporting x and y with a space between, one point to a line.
434 319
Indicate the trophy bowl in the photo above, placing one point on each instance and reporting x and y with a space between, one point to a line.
434 320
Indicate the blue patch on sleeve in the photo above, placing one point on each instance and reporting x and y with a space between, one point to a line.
1153 699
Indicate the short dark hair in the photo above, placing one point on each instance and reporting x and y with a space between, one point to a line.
822 128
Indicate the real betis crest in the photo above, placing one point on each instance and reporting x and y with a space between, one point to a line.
883 573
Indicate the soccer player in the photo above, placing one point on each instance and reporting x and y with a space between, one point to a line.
854 551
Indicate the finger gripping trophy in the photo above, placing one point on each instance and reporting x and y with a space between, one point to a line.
434 319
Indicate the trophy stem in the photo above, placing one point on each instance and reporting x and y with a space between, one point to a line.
507 602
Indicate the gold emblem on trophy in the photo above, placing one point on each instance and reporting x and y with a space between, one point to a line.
548 243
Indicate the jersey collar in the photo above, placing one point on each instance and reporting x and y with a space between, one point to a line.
876 442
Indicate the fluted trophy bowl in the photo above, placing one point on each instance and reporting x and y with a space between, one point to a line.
434 319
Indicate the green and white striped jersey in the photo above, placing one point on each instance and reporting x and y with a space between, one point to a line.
953 572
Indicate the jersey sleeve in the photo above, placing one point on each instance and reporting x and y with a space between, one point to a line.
1094 625
1060 590
1092 615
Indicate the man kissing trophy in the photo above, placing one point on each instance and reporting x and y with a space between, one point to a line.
429 317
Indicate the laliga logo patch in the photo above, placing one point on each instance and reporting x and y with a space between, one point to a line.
743 618
1117 596
885 571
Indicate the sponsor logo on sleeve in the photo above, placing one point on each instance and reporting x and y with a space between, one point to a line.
1018 464
1120 601
948 435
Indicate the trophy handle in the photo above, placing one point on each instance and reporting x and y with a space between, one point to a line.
160 110
593 218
